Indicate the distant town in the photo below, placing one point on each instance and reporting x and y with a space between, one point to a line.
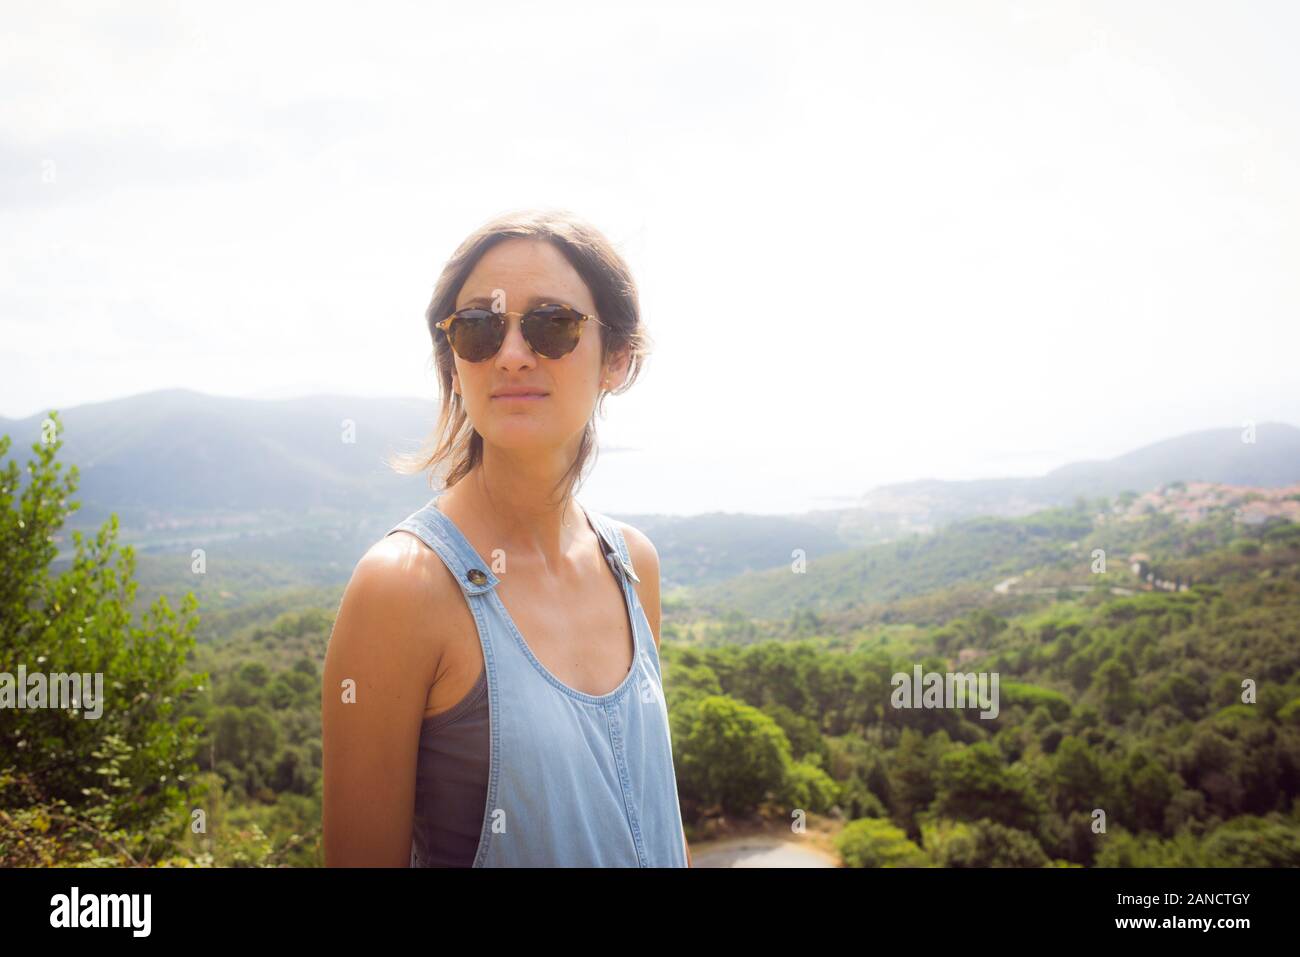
1197 501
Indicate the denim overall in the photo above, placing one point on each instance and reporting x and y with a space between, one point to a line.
575 780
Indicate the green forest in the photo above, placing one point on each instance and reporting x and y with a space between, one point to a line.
1137 728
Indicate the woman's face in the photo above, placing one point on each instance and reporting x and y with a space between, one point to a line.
523 273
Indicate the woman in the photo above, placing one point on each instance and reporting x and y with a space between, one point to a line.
492 692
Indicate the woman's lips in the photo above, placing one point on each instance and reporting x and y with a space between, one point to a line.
530 397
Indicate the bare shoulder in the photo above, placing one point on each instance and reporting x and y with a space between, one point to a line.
392 599
403 567
403 553
645 557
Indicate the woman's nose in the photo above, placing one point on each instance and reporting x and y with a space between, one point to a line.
515 350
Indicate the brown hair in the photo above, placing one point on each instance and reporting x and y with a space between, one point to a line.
454 442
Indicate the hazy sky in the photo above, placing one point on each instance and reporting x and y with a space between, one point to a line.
875 242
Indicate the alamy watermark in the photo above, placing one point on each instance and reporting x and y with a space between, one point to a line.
946 690
102 910
57 690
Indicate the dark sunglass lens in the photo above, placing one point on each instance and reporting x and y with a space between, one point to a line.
553 331
475 334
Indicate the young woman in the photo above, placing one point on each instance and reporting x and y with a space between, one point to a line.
492 691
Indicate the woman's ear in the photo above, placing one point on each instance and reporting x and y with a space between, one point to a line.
616 369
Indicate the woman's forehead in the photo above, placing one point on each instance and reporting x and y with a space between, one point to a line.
524 272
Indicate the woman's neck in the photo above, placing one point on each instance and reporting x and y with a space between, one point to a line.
515 506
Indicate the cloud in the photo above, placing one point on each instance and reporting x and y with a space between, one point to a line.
69 168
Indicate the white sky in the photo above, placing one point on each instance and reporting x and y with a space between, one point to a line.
875 242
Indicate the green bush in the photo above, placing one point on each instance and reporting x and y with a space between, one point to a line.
982 843
108 783
871 842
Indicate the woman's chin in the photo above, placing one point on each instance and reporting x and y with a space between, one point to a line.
517 432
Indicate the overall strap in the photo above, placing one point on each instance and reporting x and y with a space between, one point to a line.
616 547
436 530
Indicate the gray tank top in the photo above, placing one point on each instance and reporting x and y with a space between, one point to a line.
451 781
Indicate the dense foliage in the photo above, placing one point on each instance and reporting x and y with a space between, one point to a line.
1135 727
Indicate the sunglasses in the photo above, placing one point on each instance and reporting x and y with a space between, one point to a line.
551 329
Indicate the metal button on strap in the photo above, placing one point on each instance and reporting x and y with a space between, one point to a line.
477 576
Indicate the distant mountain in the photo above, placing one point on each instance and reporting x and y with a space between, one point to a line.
1213 455
276 485
160 456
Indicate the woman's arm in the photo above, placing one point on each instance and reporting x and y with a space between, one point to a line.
378 669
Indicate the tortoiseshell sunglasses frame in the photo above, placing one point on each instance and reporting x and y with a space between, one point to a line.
445 326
